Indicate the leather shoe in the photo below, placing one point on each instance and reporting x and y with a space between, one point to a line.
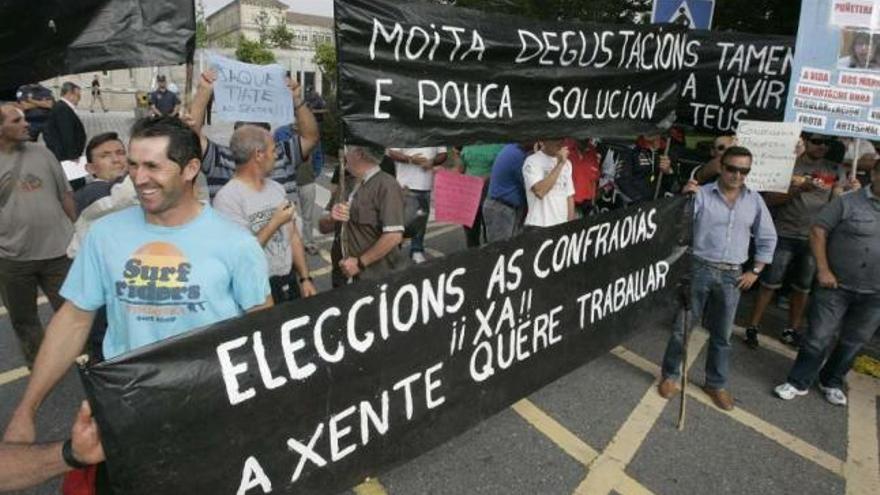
720 397
667 388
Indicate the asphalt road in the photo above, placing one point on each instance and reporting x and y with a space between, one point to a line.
603 428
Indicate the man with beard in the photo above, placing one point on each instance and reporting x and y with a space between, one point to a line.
36 209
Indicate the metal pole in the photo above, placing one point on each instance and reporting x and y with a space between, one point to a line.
684 300
685 310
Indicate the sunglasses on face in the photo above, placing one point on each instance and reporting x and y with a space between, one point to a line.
736 170
819 141
720 147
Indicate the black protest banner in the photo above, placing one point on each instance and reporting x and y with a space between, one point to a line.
39 40
312 396
416 73
733 76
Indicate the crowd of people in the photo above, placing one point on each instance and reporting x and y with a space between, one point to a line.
174 231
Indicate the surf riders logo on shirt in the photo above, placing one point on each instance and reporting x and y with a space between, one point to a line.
156 282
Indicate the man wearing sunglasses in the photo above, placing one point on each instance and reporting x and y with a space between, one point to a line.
815 182
845 238
726 214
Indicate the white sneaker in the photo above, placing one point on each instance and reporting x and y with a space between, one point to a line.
787 391
418 257
833 395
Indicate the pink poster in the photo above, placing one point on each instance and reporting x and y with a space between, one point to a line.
456 197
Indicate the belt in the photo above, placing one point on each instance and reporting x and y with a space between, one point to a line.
505 203
727 267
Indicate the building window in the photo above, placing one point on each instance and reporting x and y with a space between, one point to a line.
309 80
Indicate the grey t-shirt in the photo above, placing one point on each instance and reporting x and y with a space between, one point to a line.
793 219
252 210
33 225
853 224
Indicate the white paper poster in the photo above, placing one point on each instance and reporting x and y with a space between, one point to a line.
773 149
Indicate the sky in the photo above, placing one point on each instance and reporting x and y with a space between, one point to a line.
316 7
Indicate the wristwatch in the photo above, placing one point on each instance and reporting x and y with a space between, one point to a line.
69 458
756 270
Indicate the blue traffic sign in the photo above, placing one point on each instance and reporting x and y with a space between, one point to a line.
695 14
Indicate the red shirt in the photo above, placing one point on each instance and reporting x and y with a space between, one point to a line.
584 170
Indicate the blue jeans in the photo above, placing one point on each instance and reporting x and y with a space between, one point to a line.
423 199
502 221
855 316
714 298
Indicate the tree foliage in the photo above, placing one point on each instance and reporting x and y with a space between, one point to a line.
201 26
263 22
325 59
254 52
280 36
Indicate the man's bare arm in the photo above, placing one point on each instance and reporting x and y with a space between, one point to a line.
543 186
381 248
309 133
69 205
199 106
64 340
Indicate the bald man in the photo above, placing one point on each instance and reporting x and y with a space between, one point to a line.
36 213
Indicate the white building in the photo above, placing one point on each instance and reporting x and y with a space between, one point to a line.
238 18
244 18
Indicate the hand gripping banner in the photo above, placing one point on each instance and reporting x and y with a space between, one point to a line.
312 396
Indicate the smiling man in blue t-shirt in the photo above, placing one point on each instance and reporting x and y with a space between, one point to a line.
168 266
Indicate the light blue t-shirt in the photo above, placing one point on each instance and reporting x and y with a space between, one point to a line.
159 281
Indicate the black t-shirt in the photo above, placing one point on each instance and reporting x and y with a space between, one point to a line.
164 101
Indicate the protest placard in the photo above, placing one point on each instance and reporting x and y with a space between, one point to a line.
251 93
773 153
457 197
422 74
734 76
836 71
313 396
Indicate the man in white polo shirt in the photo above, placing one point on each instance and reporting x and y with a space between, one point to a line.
549 186
415 173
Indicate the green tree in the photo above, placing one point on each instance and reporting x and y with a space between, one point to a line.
254 52
263 22
325 59
201 26
280 36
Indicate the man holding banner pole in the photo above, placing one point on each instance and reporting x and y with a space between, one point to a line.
372 217
726 214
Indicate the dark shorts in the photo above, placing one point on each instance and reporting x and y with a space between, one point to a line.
792 257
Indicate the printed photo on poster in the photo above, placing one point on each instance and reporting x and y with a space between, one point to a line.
859 50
